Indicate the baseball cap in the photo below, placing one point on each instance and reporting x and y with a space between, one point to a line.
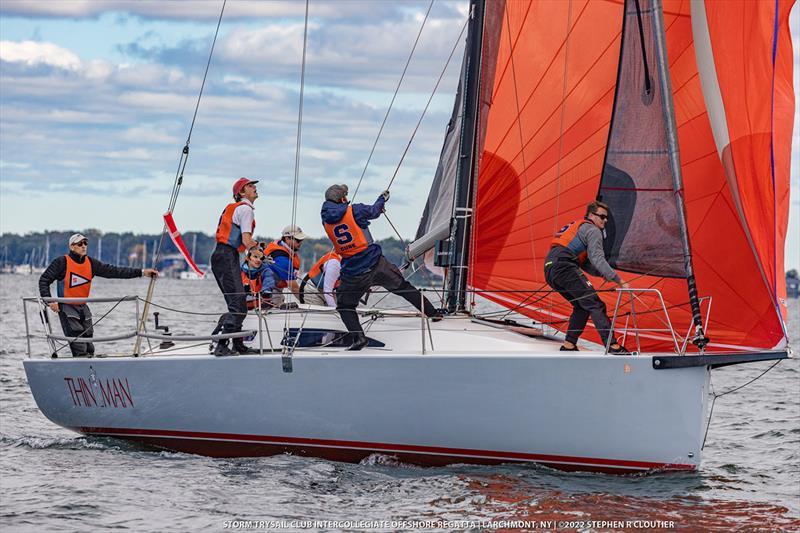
240 183
78 237
294 231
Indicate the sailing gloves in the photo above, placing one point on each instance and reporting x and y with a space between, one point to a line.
385 195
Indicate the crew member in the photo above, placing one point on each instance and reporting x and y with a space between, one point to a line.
579 246
234 235
283 258
363 263
73 273
253 273
319 284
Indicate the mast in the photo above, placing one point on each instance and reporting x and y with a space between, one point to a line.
700 340
467 158
100 248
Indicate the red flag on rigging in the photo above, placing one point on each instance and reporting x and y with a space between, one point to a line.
178 241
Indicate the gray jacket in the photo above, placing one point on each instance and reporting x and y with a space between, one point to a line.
592 237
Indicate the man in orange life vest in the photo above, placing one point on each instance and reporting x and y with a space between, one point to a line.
579 246
363 263
283 259
319 284
73 273
234 235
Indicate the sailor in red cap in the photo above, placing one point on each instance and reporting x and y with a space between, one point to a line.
234 236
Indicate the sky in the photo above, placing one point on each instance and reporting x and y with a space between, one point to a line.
97 96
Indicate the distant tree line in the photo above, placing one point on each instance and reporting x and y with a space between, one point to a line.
129 249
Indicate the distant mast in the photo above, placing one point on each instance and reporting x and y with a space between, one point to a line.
119 248
47 250
100 248
144 254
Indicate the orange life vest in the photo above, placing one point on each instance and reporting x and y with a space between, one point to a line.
568 238
77 282
348 238
228 232
252 287
274 249
317 272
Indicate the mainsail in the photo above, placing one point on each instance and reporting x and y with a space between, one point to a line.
547 129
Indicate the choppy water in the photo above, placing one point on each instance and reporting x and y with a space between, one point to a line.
52 479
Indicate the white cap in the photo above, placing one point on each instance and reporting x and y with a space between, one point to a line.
294 231
78 237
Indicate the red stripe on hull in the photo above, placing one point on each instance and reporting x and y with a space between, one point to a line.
238 445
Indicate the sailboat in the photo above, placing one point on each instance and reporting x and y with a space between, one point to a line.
676 114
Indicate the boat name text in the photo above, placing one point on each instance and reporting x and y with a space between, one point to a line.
114 392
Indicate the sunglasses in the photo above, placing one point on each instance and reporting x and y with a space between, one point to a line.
601 217
82 243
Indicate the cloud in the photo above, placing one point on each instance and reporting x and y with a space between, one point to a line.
364 54
32 54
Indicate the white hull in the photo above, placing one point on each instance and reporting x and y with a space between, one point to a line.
584 411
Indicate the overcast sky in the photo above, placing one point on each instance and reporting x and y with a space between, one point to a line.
96 97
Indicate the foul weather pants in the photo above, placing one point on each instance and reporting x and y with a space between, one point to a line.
225 266
76 321
388 276
566 277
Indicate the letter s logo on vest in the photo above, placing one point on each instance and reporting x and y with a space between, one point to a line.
76 281
342 233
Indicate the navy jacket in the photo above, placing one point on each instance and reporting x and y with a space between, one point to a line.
363 261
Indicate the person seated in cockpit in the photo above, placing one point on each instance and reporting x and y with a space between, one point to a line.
253 273
283 259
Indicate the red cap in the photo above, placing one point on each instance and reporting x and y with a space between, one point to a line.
240 183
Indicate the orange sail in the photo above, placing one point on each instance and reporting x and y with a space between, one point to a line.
546 138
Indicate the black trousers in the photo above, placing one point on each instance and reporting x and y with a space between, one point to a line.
567 278
76 321
225 266
388 276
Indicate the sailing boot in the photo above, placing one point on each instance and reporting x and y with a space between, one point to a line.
242 349
619 350
222 349
359 341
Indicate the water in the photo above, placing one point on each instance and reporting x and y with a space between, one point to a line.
53 479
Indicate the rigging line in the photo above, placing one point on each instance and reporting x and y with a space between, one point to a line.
402 240
184 157
430 98
296 185
715 396
391 104
94 323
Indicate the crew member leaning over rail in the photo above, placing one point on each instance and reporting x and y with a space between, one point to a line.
73 273
363 263
234 235
579 246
